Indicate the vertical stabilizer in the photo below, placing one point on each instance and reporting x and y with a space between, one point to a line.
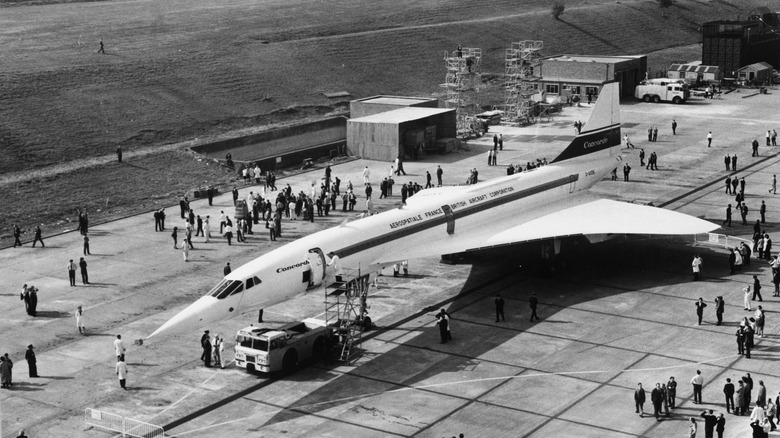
602 130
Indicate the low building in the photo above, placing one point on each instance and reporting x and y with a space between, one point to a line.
759 73
580 75
401 132
695 72
379 104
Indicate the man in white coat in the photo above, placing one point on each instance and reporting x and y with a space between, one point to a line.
366 175
121 372
80 321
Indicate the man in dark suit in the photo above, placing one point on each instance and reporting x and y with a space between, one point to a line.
700 305
728 390
710 420
657 398
720 425
205 342
227 269
639 399
533 302
719 309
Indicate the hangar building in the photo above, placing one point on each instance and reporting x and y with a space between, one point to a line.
732 45
404 131
582 75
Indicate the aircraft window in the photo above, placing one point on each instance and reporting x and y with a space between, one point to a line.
219 288
226 288
254 281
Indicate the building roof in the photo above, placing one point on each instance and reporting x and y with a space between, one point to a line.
757 67
402 115
395 100
693 68
572 81
584 58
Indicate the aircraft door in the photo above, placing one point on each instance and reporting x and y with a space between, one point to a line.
317 267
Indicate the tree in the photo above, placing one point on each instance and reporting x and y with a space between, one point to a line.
557 10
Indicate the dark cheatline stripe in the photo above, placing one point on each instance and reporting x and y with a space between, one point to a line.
442 219
577 146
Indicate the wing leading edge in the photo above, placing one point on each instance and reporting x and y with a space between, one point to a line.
603 216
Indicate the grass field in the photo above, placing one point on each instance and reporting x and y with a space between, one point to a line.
180 70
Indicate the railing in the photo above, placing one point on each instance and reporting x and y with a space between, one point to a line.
723 240
128 427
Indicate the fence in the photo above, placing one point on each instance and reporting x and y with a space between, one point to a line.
722 240
128 427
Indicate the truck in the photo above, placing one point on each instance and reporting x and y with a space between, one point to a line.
662 90
272 349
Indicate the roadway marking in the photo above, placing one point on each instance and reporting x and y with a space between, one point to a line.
459 382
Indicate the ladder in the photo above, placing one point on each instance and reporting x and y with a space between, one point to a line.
345 312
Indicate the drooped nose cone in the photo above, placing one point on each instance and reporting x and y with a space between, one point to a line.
198 314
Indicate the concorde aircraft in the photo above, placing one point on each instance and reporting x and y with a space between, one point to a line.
545 203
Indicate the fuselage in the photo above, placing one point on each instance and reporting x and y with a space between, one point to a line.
373 242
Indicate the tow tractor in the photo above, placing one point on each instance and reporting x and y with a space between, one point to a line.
274 349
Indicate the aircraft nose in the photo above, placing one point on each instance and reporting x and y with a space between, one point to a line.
202 312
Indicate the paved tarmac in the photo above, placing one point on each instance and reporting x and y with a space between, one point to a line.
618 313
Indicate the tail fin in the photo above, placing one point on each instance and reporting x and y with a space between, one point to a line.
602 130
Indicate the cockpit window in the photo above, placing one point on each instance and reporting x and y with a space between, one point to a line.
226 288
252 282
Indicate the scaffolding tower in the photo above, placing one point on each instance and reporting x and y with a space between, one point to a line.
462 83
522 69
346 312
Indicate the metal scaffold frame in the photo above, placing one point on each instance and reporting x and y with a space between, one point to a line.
462 83
521 67
346 312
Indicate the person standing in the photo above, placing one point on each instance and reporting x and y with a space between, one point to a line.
728 218
366 175
121 372
72 272
32 363
754 148
720 425
692 428
773 190
205 342
185 250
671 391
533 302
696 266
25 296
206 229
229 233
439 173
710 420
33 300
700 305
119 348
490 157
771 411
175 236
83 268
656 398
655 133
728 391
756 289
38 237
626 171
499 302
5 373
740 341
86 244
441 321
119 153
674 127
80 321
761 396
709 139
215 348
697 381
742 404
500 142
734 163
727 162
227 270
102 48
762 211
760 320
720 306
639 400
746 291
